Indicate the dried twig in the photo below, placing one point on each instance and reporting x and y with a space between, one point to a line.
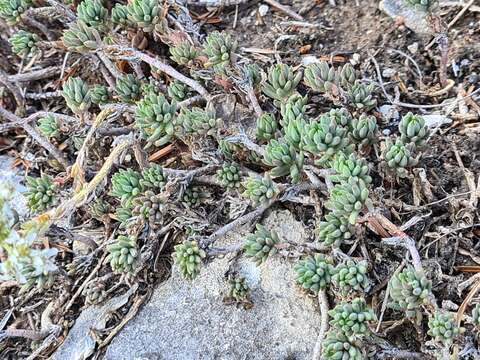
285 9
36 136
323 303
34 74
130 53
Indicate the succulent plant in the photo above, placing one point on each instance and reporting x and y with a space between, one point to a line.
363 129
334 229
155 117
76 94
198 121
261 244
399 157
352 318
229 175
153 177
239 288
338 346
325 137
128 88
40 193
282 81
267 126
293 109
80 37
351 275
49 126
192 196
253 73
177 91
361 96
24 43
409 289
145 14
413 129
123 254
92 12
476 316
188 257
348 198
294 133
150 207
259 189
341 116
12 10
220 48
314 272
443 328
346 76
320 77
123 213
183 53
348 166
126 185
284 159
120 15
99 208
99 94
95 292
41 279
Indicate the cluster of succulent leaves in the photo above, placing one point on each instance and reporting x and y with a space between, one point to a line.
150 207
77 95
49 126
400 155
351 318
261 244
123 254
12 10
229 175
239 288
220 48
95 292
351 275
24 43
338 346
24 259
259 189
443 328
155 118
409 289
188 257
314 273
284 159
476 316
41 193
282 81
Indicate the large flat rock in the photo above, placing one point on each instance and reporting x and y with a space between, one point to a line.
189 320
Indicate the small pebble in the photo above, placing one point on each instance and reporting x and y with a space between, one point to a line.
386 132
413 48
388 73
355 60
473 78
263 10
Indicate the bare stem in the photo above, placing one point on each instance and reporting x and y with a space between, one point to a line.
36 136
130 53
323 303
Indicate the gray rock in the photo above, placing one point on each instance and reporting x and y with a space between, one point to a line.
189 320
413 18
7 173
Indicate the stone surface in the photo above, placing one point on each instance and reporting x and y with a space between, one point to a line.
7 173
413 18
189 320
